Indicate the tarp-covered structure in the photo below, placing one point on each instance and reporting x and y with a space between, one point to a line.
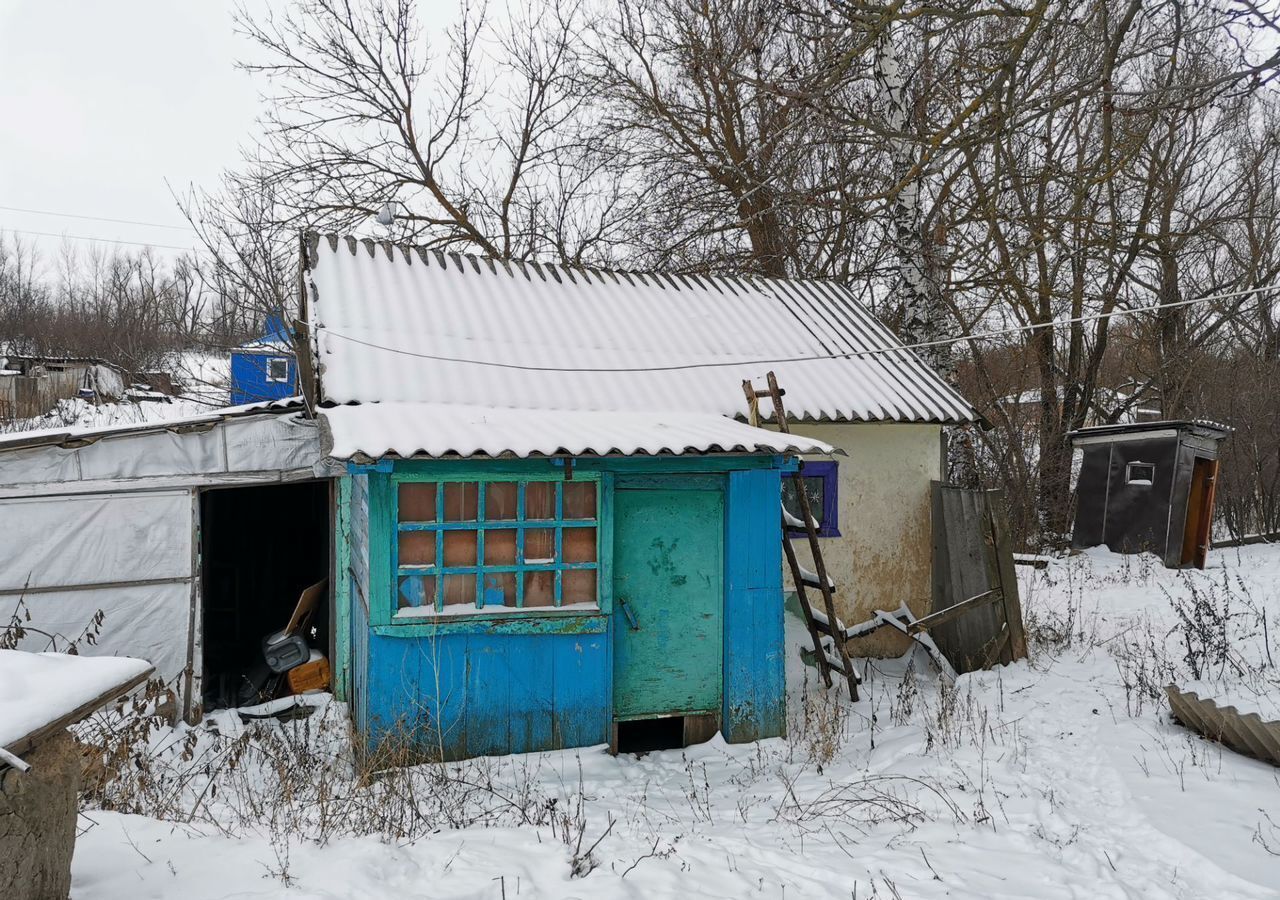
107 519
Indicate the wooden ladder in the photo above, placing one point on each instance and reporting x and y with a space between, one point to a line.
819 623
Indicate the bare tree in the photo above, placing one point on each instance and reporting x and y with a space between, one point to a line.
478 148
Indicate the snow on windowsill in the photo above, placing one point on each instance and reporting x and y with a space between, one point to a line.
427 614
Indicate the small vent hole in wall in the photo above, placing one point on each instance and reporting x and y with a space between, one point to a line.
666 733
647 735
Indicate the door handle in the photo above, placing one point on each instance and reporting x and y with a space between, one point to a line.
631 616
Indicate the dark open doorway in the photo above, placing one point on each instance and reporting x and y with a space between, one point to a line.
260 548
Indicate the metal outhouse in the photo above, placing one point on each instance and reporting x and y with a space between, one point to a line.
1148 486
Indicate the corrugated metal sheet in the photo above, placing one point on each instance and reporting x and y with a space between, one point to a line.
397 324
1245 732
437 430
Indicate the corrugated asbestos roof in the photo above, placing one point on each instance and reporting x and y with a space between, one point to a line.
396 324
438 430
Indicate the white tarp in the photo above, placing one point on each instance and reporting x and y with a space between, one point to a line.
129 555
148 622
94 539
201 449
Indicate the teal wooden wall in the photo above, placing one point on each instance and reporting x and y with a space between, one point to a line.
509 683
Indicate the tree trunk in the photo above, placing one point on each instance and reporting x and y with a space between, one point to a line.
920 291
1054 498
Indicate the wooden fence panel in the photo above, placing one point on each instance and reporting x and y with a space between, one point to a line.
971 556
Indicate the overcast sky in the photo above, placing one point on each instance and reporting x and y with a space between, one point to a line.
102 102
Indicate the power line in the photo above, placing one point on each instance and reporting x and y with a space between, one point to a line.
875 351
46 212
80 237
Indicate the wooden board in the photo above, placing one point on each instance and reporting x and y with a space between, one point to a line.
973 556
40 735
668 571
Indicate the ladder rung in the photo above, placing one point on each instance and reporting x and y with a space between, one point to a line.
835 665
820 619
810 579
794 523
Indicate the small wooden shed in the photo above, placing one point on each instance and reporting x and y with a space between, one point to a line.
1148 487
265 368
559 532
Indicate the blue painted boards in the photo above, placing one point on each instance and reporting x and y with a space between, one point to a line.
755 701
264 369
477 695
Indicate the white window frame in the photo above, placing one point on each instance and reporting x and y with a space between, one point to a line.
271 361
1140 482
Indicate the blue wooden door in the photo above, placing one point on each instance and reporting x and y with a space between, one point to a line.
668 601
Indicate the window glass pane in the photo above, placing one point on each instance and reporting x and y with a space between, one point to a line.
416 591
1141 473
578 545
461 501
499 589
813 487
459 590
500 547
579 500
417 548
540 500
500 501
579 587
459 548
417 502
539 588
539 545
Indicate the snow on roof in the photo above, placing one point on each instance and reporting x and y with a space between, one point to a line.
46 436
43 690
265 345
394 324
438 430
1138 430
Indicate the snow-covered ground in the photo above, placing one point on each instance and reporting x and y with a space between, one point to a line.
206 380
1062 777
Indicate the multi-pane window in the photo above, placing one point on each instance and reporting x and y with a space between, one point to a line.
467 546
821 483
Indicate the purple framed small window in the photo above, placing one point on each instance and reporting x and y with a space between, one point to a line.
821 484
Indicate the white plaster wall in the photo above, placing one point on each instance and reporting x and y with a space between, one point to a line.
883 556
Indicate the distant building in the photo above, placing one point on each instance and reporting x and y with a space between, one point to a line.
31 386
1148 486
265 368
